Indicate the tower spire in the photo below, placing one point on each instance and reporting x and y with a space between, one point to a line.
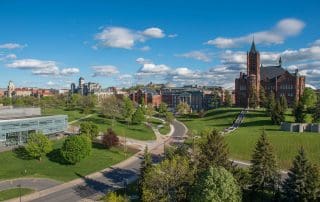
253 46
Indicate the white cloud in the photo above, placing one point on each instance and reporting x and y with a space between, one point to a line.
69 71
51 83
148 67
41 67
276 35
120 37
145 48
172 35
104 70
11 46
7 57
154 32
197 55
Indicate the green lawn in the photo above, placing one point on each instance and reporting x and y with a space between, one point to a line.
135 131
285 144
72 114
165 129
53 167
217 118
14 193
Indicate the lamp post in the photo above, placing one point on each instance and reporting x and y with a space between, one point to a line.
19 186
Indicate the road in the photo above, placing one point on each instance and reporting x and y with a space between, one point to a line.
94 187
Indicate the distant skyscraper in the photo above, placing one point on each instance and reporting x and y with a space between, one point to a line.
11 89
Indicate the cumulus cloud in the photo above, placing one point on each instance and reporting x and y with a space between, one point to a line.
11 46
276 35
148 67
154 32
104 70
172 35
7 57
197 55
121 37
41 67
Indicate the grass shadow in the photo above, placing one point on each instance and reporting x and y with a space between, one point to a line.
55 156
22 153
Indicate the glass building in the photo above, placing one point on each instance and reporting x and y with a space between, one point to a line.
14 130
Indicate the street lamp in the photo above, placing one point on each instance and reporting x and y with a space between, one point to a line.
19 186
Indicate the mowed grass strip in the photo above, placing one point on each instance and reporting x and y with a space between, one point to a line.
135 131
14 193
14 164
219 119
285 144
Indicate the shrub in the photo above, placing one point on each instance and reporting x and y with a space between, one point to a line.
75 148
38 145
90 129
110 138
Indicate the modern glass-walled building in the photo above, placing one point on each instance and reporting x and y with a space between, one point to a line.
17 124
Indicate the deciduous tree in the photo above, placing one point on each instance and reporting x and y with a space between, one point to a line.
138 116
110 139
38 145
216 184
90 129
75 148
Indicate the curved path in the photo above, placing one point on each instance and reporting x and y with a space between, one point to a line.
93 186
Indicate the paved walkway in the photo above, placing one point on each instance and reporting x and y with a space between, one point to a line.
36 184
85 117
236 124
96 184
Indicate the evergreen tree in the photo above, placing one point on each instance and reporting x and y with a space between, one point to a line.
127 109
316 112
263 97
146 164
213 152
298 112
284 103
303 183
263 169
277 114
271 103
253 98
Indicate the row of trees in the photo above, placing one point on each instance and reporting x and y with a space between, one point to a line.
207 174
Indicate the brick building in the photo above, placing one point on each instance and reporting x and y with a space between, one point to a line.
271 78
148 96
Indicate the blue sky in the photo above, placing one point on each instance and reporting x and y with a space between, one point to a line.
119 43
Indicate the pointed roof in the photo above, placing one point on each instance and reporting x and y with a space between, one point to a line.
253 47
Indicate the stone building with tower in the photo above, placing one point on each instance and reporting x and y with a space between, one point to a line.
274 79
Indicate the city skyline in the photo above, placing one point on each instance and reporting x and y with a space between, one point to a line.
122 43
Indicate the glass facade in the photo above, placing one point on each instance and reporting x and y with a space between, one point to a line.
16 131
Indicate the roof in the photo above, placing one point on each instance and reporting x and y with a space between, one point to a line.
271 72
253 47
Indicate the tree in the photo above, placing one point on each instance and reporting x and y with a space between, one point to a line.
309 98
163 109
316 112
284 103
303 182
169 117
145 165
271 103
138 116
114 197
298 112
263 169
149 111
74 101
75 148
216 184
216 99
214 152
277 114
88 103
111 107
168 181
128 109
38 145
183 108
253 98
90 129
110 139
227 99
263 97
